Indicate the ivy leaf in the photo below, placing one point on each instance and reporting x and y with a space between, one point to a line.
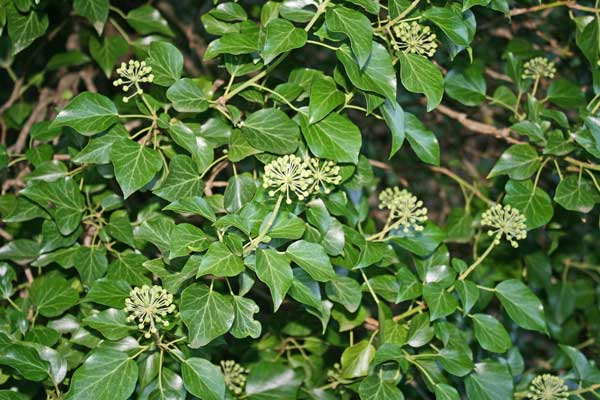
281 36
393 115
576 194
271 130
183 180
25 360
356 359
91 263
107 52
312 258
274 270
565 94
52 294
439 301
203 379
88 113
112 323
234 43
346 291
106 375
186 238
490 381
535 205
109 292
335 138
96 11
422 140
356 26
419 75
147 19
420 243
490 333
450 21
445 392
206 313
220 261
324 98
244 324
61 199
377 76
188 96
466 86
166 62
135 165
522 305
23 29
519 162
374 387
457 361
97 150
239 191
272 380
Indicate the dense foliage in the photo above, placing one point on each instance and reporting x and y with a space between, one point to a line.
314 199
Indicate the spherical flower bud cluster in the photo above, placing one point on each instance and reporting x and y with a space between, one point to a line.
415 39
291 174
405 208
149 306
539 67
132 75
235 376
548 387
505 221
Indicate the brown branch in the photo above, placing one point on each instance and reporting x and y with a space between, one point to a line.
14 96
476 126
210 182
542 7
38 114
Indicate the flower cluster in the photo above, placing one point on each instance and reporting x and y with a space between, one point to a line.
149 306
235 376
291 174
415 38
548 387
539 67
132 75
404 207
505 221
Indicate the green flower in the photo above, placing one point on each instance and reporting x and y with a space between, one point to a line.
539 67
505 221
324 174
405 208
288 174
548 387
149 306
132 75
235 376
415 38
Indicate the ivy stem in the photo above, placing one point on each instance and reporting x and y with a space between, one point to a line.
369 286
256 241
281 97
320 10
479 260
400 16
535 85
462 182
409 312
315 42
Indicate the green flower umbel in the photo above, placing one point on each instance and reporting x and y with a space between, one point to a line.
505 221
415 39
405 209
149 306
548 387
324 174
132 75
290 175
539 67
235 376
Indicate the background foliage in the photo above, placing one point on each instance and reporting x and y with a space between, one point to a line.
105 190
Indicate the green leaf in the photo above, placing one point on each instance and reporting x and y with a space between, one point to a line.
375 388
324 98
244 324
52 294
377 76
519 162
91 263
439 301
356 359
188 96
25 360
490 333
206 313
271 130
445 392
274 270
466 86
186 238
335 137
420 243
96 11
97 150
183 180
166 62
450 21
565 94
235 43
203 379
393 115
419 75
23 29
420 331
135 165
312 258
147 19
107 52
88 113
109 292
229 12
490 381
576 194
422 140
270 380
61 199
239 191
356 26
457 361
220 261
281 36
105 375
112 323
535 205
346 291
522 305
469 294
